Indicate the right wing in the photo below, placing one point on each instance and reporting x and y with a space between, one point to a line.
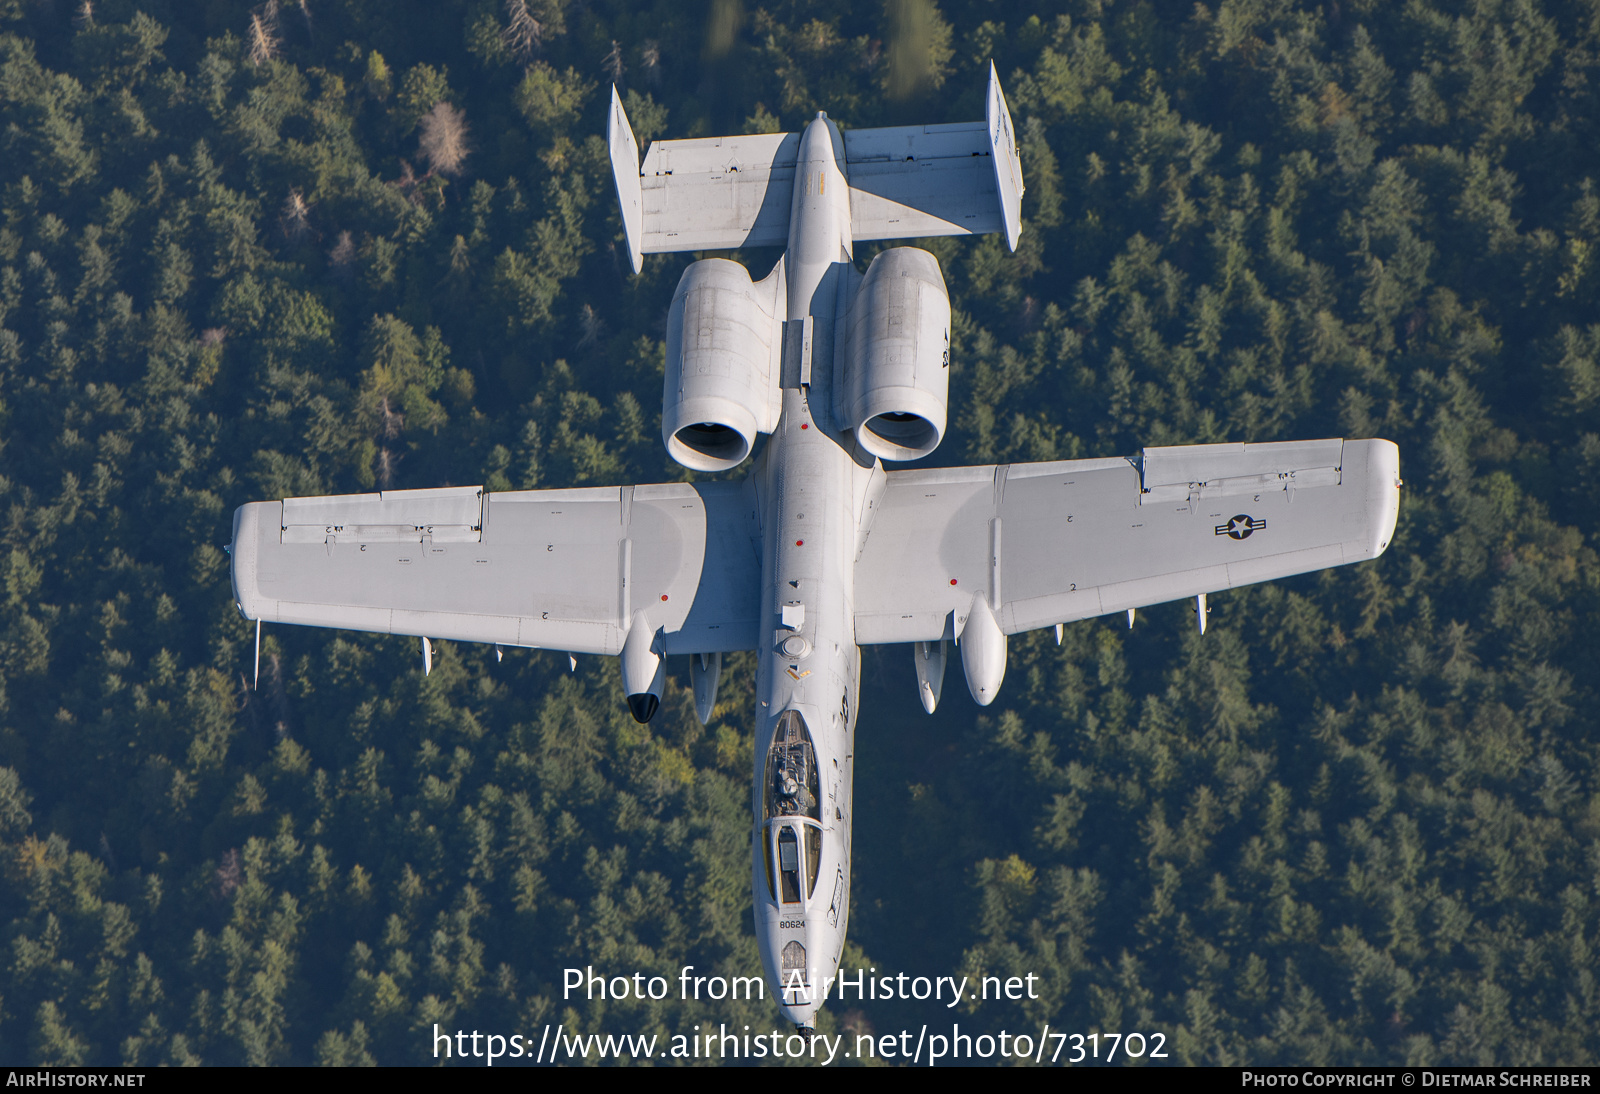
1049 543
554 569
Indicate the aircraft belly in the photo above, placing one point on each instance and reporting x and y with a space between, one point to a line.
808 664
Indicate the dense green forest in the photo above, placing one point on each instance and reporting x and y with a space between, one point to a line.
309 247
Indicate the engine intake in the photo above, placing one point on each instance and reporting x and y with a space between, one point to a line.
722 366
895 387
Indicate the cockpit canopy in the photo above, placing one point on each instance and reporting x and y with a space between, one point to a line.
791 784
791 811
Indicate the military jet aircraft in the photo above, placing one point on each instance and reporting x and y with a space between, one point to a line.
818 550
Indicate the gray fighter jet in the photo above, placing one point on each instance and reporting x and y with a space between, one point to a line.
818 550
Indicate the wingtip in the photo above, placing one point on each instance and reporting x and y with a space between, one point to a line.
1386 485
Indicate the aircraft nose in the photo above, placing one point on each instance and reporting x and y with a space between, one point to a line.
804 1016
800 968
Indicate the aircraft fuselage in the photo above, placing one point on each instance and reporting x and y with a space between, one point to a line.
812 482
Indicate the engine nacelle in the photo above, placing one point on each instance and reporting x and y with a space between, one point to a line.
896 369
722 365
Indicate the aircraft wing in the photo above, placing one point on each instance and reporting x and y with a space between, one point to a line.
1049 543
554 569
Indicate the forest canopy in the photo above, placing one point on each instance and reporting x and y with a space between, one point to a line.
301 247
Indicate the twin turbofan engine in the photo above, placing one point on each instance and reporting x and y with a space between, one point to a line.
892 387
724 347
726 350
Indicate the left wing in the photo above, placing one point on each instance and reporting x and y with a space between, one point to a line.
1049 543
555 569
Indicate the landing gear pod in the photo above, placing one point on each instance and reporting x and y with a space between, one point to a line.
896 370
705 669
930 659
644 671
722 365
983 653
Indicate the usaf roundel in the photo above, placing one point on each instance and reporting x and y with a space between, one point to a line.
1241 526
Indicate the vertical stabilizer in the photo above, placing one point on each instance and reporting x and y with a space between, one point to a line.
625 170
1007 166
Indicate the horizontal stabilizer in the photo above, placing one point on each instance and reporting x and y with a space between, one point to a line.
718 193
921 180
937 180
906 182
